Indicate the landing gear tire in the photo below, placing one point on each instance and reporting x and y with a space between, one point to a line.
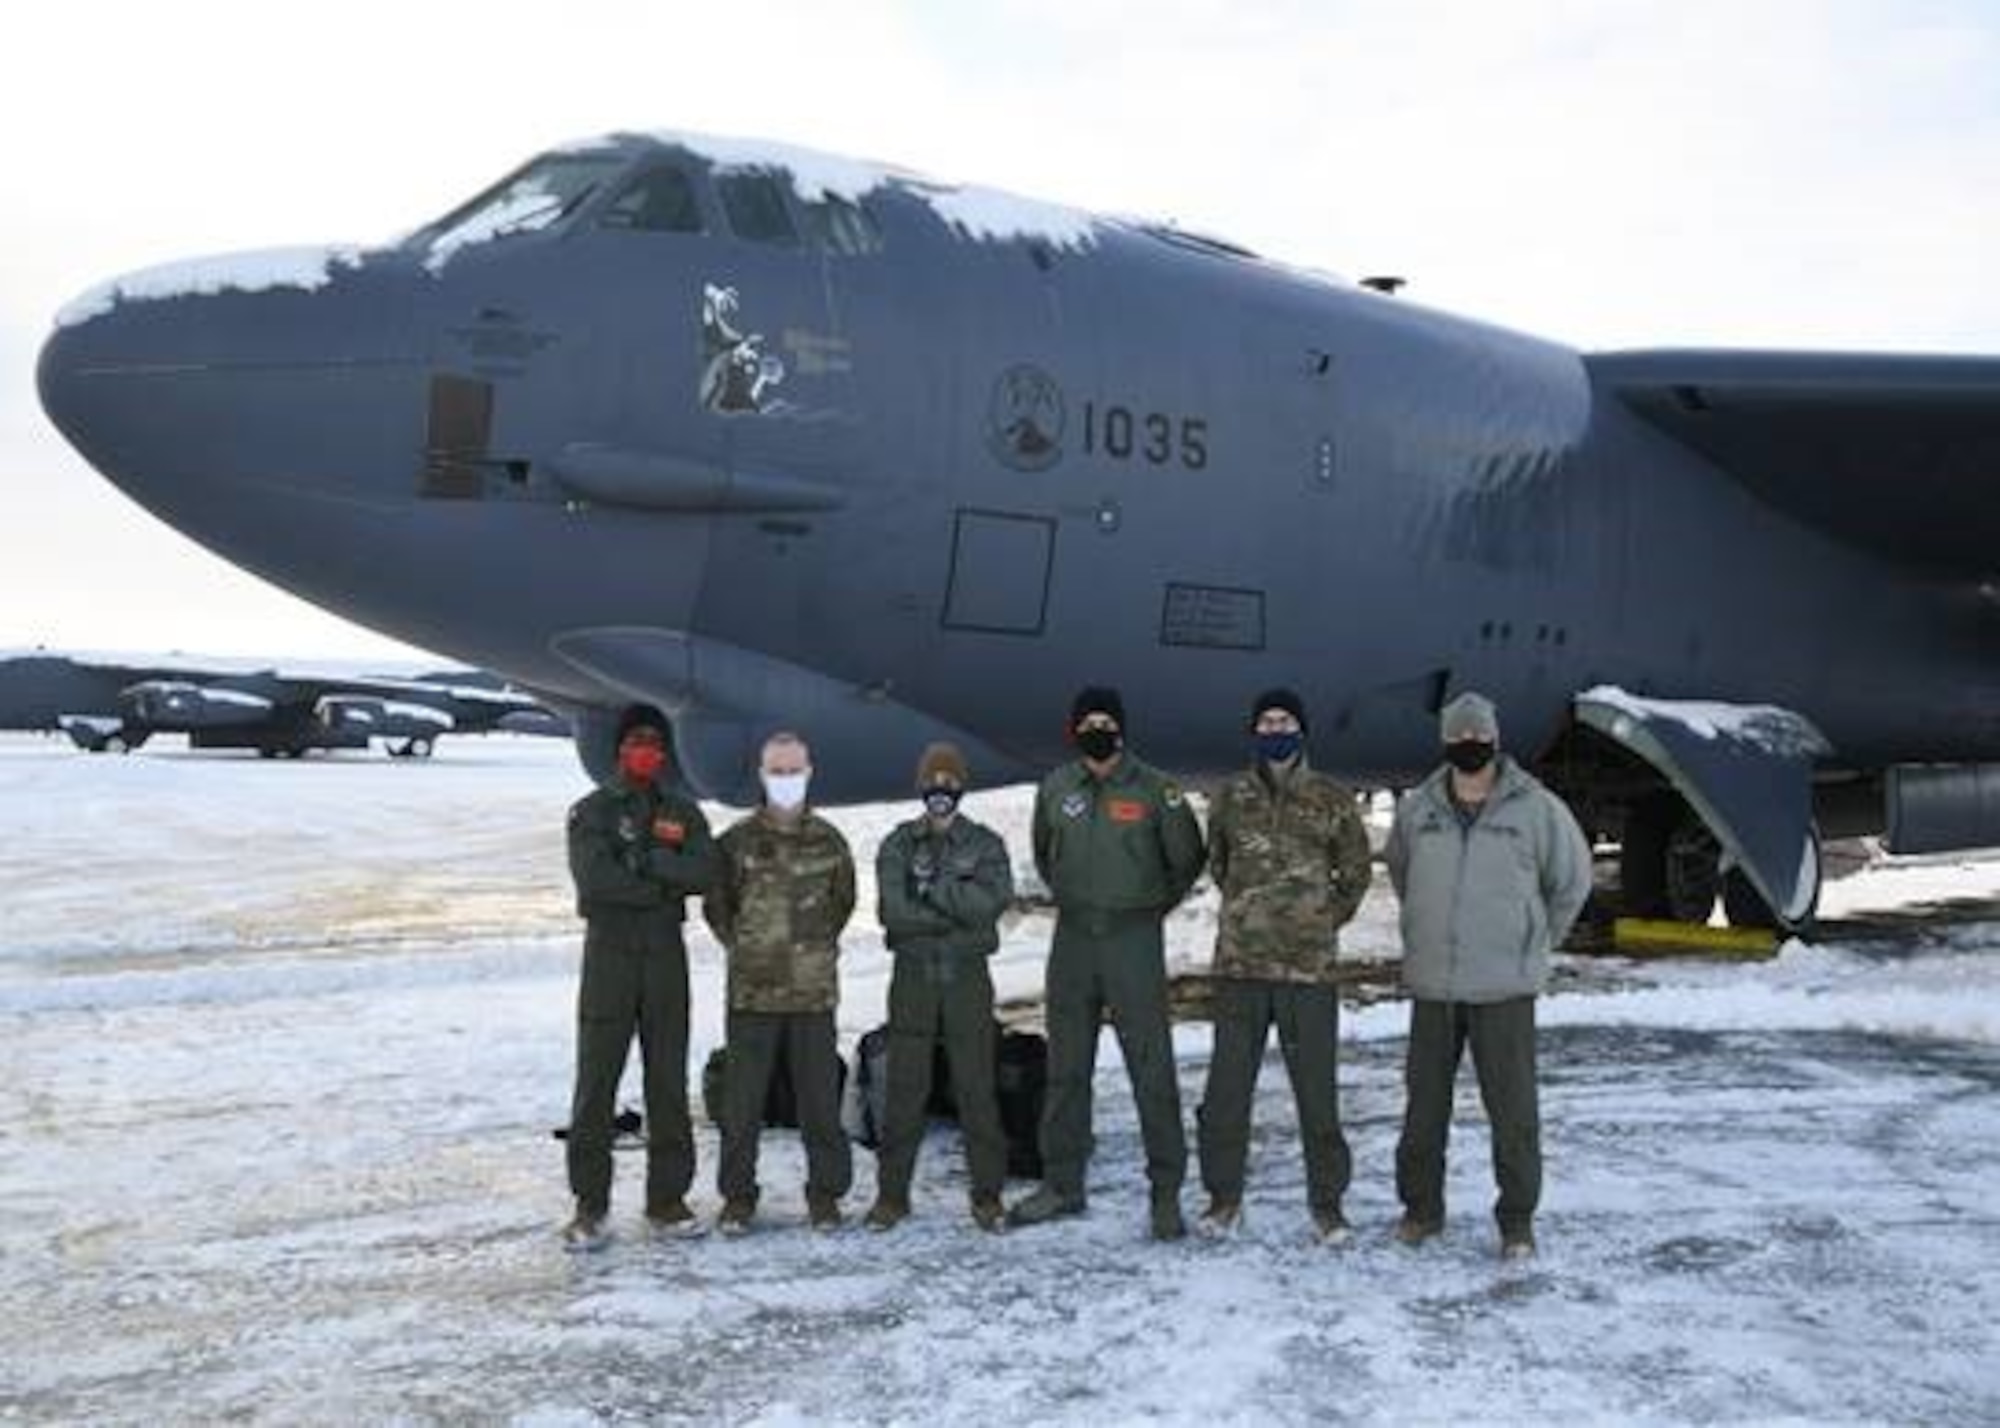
418 748
116 744
1744 906
1670 865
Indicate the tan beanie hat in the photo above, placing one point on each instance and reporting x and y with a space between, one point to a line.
942 761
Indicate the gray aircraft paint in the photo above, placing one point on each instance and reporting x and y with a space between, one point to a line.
1010 449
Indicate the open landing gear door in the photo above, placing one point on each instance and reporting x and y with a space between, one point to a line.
1746 769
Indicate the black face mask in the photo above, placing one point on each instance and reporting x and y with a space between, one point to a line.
1469 755
941 803
1099 745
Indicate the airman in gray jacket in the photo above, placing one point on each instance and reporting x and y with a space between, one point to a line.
1492 870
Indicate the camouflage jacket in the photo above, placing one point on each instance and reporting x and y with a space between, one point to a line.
779 903
943 892
1126 843
636 852
1291 859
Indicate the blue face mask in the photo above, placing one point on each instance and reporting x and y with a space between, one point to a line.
1280 748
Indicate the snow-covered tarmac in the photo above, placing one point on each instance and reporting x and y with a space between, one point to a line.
281 1045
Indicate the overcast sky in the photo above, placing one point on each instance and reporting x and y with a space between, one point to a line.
1786 173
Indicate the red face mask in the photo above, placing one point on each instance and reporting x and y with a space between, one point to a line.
641 762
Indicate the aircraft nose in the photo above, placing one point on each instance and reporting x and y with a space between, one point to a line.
222 378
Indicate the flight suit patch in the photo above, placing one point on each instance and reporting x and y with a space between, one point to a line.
1075 806
1126 810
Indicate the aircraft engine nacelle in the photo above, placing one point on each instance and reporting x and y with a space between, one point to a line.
1943 808
374 718
181 704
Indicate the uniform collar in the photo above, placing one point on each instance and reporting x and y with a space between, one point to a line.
1279 781
1122 772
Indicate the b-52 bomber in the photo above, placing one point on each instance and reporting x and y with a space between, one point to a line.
110 703
777 438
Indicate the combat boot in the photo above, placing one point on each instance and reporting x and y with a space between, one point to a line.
673 1220
1516 1245
735 1217
1412 1231
987 1214
823 1213
585 1231
1045 1204
1167 1221
886 1213
1331 1227
1221 1216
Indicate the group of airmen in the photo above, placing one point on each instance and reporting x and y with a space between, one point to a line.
1490 869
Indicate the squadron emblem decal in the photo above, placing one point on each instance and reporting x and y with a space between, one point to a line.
1025 418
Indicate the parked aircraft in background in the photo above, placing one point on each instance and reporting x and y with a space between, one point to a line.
773 437
115 703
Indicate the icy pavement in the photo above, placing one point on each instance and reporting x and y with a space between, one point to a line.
280 1047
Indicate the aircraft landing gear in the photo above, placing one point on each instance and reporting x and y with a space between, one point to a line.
417 748
1670 865
1744 906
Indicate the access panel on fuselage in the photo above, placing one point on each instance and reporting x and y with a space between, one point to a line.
1000 564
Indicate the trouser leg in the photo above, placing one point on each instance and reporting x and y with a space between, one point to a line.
1308 1020
1503 1053
814 1060
971 1051
1135 980
1074 1011
1437 1040
913 1025
606 1001
752 1040
663 1044
1242 1020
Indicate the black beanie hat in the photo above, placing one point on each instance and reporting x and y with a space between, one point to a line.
1096 699
1285 699
640 716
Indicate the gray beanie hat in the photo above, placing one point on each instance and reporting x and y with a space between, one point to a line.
1470 716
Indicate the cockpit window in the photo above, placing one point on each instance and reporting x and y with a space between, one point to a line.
840 225
659 200
755 204
543 193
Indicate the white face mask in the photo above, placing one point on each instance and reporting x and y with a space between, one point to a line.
786 792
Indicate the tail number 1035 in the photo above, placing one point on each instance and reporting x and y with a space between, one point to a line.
1154 437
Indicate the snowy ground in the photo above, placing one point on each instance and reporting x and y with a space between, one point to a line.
280 1047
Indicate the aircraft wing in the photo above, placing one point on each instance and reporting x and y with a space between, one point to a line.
1896 454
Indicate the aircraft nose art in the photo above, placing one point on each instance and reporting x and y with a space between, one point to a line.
212 382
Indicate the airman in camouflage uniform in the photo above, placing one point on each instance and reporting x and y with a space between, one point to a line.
1288 852
943 882
784 892
637 850
1118 846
